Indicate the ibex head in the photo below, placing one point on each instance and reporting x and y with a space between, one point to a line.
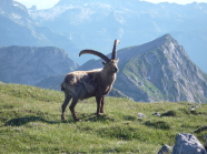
110 65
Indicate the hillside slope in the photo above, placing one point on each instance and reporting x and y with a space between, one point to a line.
30 65
30 123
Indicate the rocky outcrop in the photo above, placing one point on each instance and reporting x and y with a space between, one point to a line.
188 144
162 71
184 144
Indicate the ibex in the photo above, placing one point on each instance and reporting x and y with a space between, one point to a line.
80 85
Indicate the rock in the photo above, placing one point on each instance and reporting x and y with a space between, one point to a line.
188 144
140 115
205 139
165 149
156 114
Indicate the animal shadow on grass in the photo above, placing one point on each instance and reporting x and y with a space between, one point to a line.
83 117
129 118
95 118
158 125
24 120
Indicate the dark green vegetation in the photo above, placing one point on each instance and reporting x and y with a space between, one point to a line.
30 123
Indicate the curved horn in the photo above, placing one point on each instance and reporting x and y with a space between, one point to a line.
113 56
93 52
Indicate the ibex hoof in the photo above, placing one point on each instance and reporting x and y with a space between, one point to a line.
62 118
76 120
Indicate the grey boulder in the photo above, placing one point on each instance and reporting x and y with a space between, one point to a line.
165 149
188 144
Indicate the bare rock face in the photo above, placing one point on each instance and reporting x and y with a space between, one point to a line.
161 70
188 144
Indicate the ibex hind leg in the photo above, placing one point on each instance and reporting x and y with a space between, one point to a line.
72 108
64 105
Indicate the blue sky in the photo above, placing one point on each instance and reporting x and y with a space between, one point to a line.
44 4
40 4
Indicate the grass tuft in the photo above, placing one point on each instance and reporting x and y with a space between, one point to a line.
158 124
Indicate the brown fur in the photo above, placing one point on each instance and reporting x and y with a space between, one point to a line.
79 85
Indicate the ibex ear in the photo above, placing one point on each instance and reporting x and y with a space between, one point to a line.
104 63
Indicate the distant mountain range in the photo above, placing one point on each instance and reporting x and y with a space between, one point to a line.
96 23
159 70
18 28
155 71
30 65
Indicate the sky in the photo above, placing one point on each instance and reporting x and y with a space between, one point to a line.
40 4
45 4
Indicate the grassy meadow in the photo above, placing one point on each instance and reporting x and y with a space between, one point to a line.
30 123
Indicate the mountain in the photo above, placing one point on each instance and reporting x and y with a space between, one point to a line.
158 71
18 28
51 82
97 23
30 65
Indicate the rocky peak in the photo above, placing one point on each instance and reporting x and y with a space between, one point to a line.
161 69
166 38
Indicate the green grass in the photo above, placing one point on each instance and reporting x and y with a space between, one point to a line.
30 123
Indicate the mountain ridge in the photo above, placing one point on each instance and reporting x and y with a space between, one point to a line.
158 70
29 65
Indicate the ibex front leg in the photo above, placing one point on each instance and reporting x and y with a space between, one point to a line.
98 101
102 105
